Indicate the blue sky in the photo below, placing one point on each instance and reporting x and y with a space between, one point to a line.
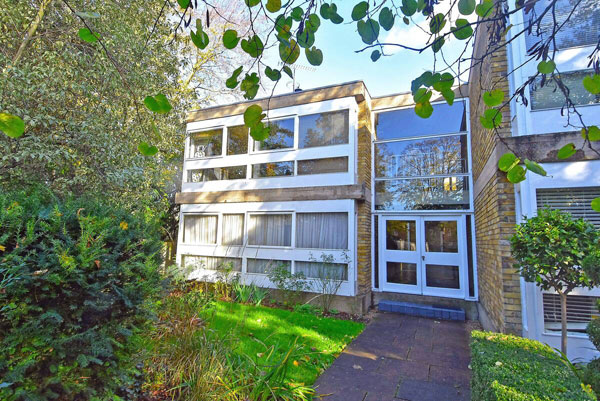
341 63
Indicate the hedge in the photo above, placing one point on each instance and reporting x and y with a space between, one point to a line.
511 368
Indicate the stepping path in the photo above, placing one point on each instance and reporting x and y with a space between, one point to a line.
401 358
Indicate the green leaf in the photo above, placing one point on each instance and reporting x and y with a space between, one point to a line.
534 167
368 30
253 46
445 82
566 151
305 39
230 39
375 55
424 110
250 85
386 18
546 67
283 25
252 3
437 23
592 84
312 23
199 38
360 10
596 204
466 7
325 11
493 97
158 104
88 14
336 18
147 150
507 161
462 30
260 132
273 6
183 3
593 133
485 8
289 54
253 115
491 118
288 71
422 95
516 174
273 74
297 14
11 125
409 7
448 94
87 35
437 44
232 81
314 56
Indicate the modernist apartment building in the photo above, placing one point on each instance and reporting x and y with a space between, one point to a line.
407 208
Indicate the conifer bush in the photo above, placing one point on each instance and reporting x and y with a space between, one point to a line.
76 281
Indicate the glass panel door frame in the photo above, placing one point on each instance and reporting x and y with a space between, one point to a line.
421 257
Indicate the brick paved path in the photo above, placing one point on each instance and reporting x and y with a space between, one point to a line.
401 358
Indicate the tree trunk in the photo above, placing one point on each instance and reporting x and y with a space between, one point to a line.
563 322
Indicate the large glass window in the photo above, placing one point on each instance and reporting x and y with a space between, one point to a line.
550 96
206 143
331 271
323 166
576 201
281 136
217 173
401 235
237 140
581 29
405 123
270 229
322 230
275 169
200 229
324 129
262 266
233 229
194 262
439 193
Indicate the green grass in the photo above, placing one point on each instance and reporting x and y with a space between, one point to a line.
263 334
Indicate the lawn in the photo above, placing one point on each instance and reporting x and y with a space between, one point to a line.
265 334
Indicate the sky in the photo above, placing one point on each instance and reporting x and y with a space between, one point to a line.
341 63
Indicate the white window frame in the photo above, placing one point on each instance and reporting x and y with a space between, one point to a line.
182 228
188 142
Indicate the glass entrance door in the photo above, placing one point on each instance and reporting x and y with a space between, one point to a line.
423 255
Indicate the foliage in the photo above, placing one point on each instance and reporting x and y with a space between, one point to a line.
591 375
76 278
549 250
290 285
328 279
242 292
511 368
226 279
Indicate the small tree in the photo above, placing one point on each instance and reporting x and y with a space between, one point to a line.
549 250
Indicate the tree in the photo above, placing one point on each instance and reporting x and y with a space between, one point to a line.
549 250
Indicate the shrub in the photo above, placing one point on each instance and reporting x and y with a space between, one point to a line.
75 281
329 278
290 285
591 375
510 368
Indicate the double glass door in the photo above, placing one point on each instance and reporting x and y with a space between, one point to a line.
423 255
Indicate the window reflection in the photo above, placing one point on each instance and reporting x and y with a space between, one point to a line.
237 140
401 273
401 235
324 129
550 96
217 173
281 136
323 166
206 143
276 169
421 194
441 236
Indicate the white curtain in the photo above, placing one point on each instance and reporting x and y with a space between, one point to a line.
270 230
333 271
233 229
200 229
322 230
210 263
262 266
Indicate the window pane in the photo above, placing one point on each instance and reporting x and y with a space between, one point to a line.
270 229
436 156
441 236
332 271
206 143
549 96
577 201
449 193
237 140
401 235
324 129
199 229
582 28
211 263
276 169
217 173
322 230
442 276
262 266
323 166
401 273
233 229
581 309
405 123
281 136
